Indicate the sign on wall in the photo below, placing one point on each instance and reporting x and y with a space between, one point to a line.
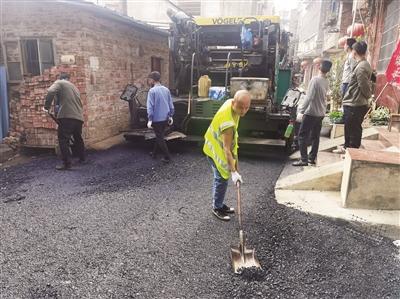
393 68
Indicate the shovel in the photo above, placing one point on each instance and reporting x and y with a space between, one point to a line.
241 256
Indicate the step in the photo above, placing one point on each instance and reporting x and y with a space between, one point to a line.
371 180
389 138
329 204
373 145
324 178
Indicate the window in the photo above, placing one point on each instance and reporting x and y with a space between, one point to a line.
37 55
13 60
390 34
27 57
156 64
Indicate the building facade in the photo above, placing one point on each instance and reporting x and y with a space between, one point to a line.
103 52
383 19
322 23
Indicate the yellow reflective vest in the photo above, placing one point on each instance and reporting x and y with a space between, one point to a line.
213 145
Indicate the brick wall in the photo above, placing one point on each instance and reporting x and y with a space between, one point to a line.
346 18
391 95
109 53
31 123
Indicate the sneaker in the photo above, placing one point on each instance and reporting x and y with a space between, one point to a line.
228 210
165 160
63 166
300 163
311 162
341 150
220 214
83 161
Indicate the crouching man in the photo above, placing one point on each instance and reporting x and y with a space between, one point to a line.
221 149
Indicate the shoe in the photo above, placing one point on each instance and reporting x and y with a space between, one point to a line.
63 166
220 214
83 161
228 210
341 150
311 162
165 160
300 163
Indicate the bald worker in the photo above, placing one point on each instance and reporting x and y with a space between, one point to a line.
221 149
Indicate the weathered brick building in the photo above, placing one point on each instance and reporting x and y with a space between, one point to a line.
102 50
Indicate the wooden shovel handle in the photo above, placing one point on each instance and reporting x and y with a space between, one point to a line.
239 204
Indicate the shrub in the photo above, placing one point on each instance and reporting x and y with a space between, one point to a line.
380 116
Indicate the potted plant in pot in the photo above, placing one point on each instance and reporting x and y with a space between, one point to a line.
336 117
380 116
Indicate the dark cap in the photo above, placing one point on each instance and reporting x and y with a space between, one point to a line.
350 42
326 66
360 48
155 76
64 76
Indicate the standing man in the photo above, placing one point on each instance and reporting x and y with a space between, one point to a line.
70 118
349 65
311 114
160 110
355 102
221 149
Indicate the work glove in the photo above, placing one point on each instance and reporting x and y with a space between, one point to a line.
170 121
299 117
149 123
45 110
236 177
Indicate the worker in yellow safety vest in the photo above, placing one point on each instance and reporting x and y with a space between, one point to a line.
221 149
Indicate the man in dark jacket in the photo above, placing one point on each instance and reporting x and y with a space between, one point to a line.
355 101
70 118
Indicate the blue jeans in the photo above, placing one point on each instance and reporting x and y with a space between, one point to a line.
219 187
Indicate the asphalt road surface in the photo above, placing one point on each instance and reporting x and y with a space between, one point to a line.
127 226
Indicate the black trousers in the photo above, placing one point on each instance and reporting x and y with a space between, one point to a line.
68 128
159 129
353 118
310 127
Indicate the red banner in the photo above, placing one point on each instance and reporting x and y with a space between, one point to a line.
393 68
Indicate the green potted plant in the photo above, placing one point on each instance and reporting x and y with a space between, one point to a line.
380 116
335 81
336 117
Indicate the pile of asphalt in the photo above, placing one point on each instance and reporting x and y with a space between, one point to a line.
127 226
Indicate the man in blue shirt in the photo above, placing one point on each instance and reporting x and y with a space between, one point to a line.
160 110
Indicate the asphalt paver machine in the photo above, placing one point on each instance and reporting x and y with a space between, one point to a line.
236 53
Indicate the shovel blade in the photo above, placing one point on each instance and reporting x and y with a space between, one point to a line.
240 260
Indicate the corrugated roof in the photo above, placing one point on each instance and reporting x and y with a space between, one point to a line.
113 15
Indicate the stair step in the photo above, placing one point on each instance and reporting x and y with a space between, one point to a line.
389 138
373 145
